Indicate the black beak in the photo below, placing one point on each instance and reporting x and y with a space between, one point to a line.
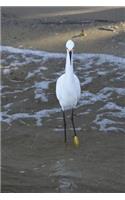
70 55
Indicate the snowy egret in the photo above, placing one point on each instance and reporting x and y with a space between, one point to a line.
68 90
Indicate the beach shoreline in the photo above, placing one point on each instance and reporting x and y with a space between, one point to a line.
47 28
34 156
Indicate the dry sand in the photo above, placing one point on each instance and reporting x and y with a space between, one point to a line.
48 28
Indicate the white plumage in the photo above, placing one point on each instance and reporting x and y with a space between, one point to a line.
68 89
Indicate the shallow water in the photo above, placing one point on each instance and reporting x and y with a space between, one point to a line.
35 158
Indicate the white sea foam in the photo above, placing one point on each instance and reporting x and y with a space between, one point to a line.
38 116
61 129
102 58
31 52
8 105
102 73
120 91
6 71
108 125
87 81
110 110
35 72
111 106
90 98
40 90
108 118
42 84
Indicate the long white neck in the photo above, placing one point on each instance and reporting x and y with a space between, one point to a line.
69 65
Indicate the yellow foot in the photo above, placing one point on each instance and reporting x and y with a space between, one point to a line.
76 141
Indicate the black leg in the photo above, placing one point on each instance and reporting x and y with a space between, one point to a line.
64 120
72 119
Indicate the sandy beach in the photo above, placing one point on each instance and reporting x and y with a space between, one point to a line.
49 28
34 156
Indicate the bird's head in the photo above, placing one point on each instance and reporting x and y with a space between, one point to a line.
70 45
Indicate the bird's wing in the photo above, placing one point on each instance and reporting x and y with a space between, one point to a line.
59 87
78 88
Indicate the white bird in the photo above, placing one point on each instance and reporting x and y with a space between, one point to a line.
68 90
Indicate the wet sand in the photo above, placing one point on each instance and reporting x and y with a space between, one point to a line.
34 156
50 166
